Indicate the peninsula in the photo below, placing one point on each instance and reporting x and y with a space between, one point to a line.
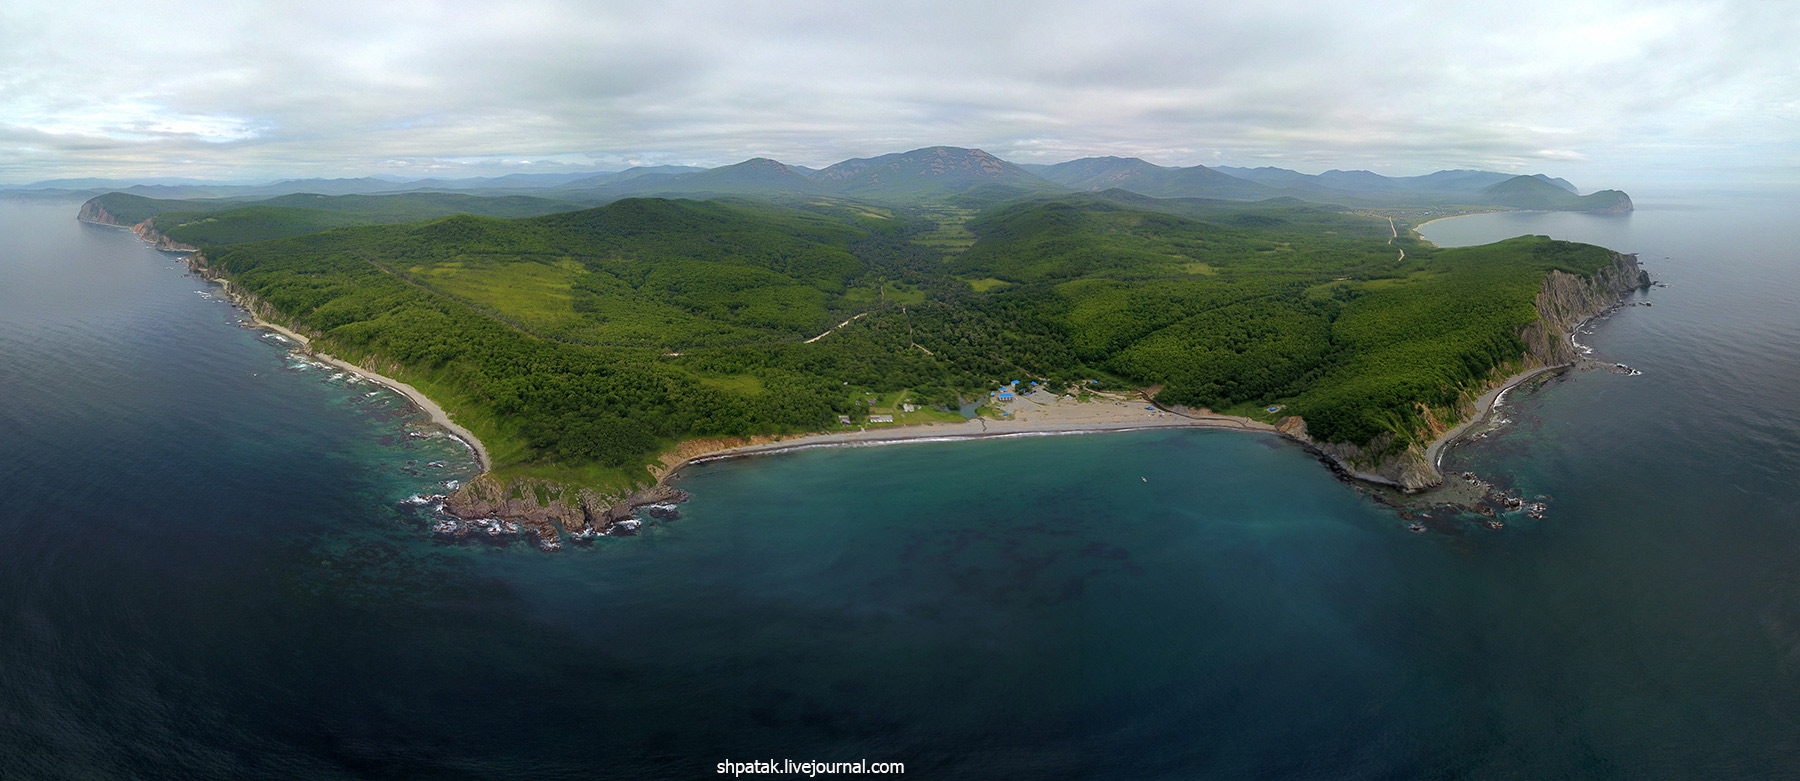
587 352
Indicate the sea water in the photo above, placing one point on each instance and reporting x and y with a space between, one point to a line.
211 570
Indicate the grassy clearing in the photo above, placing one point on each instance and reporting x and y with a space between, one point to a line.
984 284
535 296
952 233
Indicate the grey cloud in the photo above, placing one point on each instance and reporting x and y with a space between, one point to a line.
1592 91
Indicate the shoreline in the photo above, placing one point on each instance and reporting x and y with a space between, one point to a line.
701 451
1415 228
970 430
1434 452
424 403
973 429
432 409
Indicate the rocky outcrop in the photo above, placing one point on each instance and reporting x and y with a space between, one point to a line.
1563 302
1371 461
549 510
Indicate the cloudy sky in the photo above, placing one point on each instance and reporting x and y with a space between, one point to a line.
1604 93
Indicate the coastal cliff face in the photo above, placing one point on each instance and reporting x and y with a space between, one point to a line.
198 264
1565 300
93 212
148 232
1562 303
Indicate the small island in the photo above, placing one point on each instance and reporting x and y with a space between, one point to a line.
588 343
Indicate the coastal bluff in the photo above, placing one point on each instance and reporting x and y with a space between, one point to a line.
93 211
1563 303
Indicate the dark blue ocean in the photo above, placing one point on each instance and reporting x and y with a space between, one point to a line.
207 570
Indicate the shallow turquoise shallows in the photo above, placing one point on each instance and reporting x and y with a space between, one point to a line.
207 569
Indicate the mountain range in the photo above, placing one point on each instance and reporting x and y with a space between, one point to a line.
935 173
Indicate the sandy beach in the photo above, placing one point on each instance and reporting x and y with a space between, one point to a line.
1036 414
423 402
1047 414
1415 228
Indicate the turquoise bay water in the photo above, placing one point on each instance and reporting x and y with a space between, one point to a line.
209 574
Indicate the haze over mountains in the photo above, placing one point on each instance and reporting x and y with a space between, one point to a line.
930 173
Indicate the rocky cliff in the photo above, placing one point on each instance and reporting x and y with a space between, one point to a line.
93 212
1563 302
148 232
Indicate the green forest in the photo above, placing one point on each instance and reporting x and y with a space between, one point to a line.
579 344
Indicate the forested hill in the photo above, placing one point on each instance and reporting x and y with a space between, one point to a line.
578 345
547 336
1530 192
217 222
1295 306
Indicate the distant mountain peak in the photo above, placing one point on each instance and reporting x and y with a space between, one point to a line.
1539 192
1146 178
927 171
